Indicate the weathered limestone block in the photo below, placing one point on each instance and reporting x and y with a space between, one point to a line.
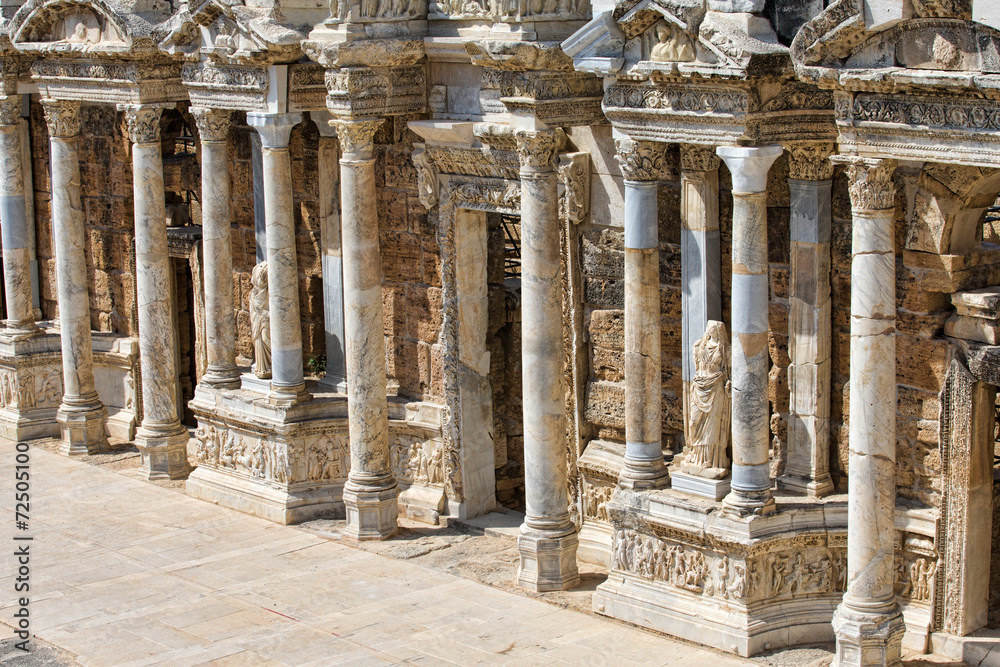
976 317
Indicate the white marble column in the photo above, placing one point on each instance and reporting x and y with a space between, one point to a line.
161 438
288 385
220 317
751 482
370 492
81 414
868 623
807 464
642 166
14 229
547 541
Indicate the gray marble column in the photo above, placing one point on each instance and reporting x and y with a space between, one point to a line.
370 492
14 229
547 541
220 318
288 385
751 482
643 467
807 464
161 438
81 415
701 263
868 623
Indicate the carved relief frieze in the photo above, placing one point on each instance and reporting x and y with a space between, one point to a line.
69 28
595 500
307 87
417 460
483 162
488 195
505 11
241 87
366 91
110 82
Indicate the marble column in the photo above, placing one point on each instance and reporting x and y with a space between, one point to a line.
642 165
751 480
370 492
701 263
868 623
547 541
220 318
161 438
807 465
288 385
81 415
14 229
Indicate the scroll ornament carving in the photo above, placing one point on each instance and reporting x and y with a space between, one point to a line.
574 176
427 182
62 118
213 124
143 123
487 196
539 150
10 110
811 161
260 321
870 184
699 158
708 412
641 160
356 136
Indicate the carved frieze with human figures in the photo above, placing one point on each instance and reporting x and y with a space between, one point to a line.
417 460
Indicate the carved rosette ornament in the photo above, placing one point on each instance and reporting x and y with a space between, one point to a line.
143 123
10 110
870 183
699 158
213 124
62 118
538 150
356 136
810 161
641 160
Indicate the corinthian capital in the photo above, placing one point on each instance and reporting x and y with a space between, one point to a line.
810 161
213 124
641 160
10 110
62 118
870 183
143 122
357 136
538 150
699 158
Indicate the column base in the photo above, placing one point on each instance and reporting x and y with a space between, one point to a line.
82 428
866 639
18 331
548 559
643 479
222 380
164 452
285 397
371 510
812 488
749 503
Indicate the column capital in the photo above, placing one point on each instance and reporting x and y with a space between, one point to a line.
322 118
749 166
275 129
213 124
695 157
810 160
641 160
143 122
356 136
538 150
10 110
62 118
869 182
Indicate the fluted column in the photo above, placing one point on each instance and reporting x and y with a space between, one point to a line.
288 385
642 165
220 319
81 415
751 482
370 492
868 623
547 541
161 439
807 464
14 230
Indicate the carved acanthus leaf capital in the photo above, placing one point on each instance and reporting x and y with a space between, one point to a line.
699 158
538 150
62 118
641 160
356 136
810 161
213 124
10 110
143 123
870 183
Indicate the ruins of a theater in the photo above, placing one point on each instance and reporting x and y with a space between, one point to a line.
708 290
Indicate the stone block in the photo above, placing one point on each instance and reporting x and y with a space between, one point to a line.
922 362
714 489
392 210
603 253
605 404
423 313
604 292
607 329
608 364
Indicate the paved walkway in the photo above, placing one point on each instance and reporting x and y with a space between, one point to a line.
130 573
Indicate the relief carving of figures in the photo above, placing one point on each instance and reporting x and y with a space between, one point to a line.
260 321
26 391
595 501
672 44
415 460
709 408
914 578
50 388
128 389
324 461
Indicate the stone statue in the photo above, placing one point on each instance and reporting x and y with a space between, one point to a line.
672 45
708 410
260 321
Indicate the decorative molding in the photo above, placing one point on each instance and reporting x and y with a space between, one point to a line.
641 160
143 123
574 181
364 91
213 124
811 161
62 118
427 179
538 150
870 183
356 136
695 157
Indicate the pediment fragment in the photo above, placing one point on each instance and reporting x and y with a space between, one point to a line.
228 32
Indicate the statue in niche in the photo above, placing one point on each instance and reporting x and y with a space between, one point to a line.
672 44
708 410
260 321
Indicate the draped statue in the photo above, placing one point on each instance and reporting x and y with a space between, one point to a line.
260 321
709 406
